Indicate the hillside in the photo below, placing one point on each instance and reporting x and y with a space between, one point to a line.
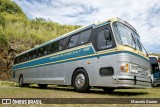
18 33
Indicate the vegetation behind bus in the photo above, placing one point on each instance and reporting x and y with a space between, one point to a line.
18 33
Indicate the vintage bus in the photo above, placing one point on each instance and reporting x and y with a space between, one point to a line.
108 55
155 67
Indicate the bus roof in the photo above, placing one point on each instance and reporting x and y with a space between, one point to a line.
94 25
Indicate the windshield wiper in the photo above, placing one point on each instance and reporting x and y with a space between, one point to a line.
144 49
139 43
133 41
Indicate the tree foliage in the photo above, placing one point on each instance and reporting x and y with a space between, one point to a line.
7 6
18 30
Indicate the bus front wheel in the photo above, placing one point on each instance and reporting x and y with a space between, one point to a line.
81 81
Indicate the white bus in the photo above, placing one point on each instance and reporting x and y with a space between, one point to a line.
107 55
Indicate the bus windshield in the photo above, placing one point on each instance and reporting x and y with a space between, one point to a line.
127 36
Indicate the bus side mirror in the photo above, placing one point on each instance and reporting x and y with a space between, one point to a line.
107 35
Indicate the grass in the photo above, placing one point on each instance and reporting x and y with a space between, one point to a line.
54 91
11 90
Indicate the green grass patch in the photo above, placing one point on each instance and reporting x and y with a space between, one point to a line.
54 91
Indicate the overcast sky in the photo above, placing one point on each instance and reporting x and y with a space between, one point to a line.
144 15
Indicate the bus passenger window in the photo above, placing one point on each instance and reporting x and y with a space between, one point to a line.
25 58
62 43
54 47
21 59
73 41
84 37
41 52
16 60
103 42
47 49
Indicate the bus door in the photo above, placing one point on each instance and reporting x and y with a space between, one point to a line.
105 61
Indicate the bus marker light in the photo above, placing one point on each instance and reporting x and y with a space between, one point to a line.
126 68
122 68
88 62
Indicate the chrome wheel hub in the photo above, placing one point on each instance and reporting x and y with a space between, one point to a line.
80 80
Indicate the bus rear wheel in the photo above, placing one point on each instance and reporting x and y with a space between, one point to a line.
81 81
108 90
21 84
42 85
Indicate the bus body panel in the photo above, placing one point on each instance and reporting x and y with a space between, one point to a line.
61 73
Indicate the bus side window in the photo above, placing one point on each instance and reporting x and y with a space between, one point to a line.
25 57
40 52
47 49
34 53
21 59
29 55
84 37
62 44
54 47
73 41
16 60
103 42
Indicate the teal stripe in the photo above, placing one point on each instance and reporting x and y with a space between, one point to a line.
87 57
62 56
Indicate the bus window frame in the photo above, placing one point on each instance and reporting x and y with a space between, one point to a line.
88 41
97 30
64 48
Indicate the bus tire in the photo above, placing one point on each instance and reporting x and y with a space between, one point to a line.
81 81
42 85
154 85
21 84
108 90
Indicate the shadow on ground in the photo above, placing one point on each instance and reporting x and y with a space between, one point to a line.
95 91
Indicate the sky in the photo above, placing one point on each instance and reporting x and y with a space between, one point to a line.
144 15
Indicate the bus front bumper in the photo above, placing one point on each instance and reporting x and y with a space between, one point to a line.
132 82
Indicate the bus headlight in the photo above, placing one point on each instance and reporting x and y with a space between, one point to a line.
134 68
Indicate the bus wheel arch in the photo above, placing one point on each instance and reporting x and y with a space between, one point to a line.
80 80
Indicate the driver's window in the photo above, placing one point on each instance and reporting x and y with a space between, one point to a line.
103 43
